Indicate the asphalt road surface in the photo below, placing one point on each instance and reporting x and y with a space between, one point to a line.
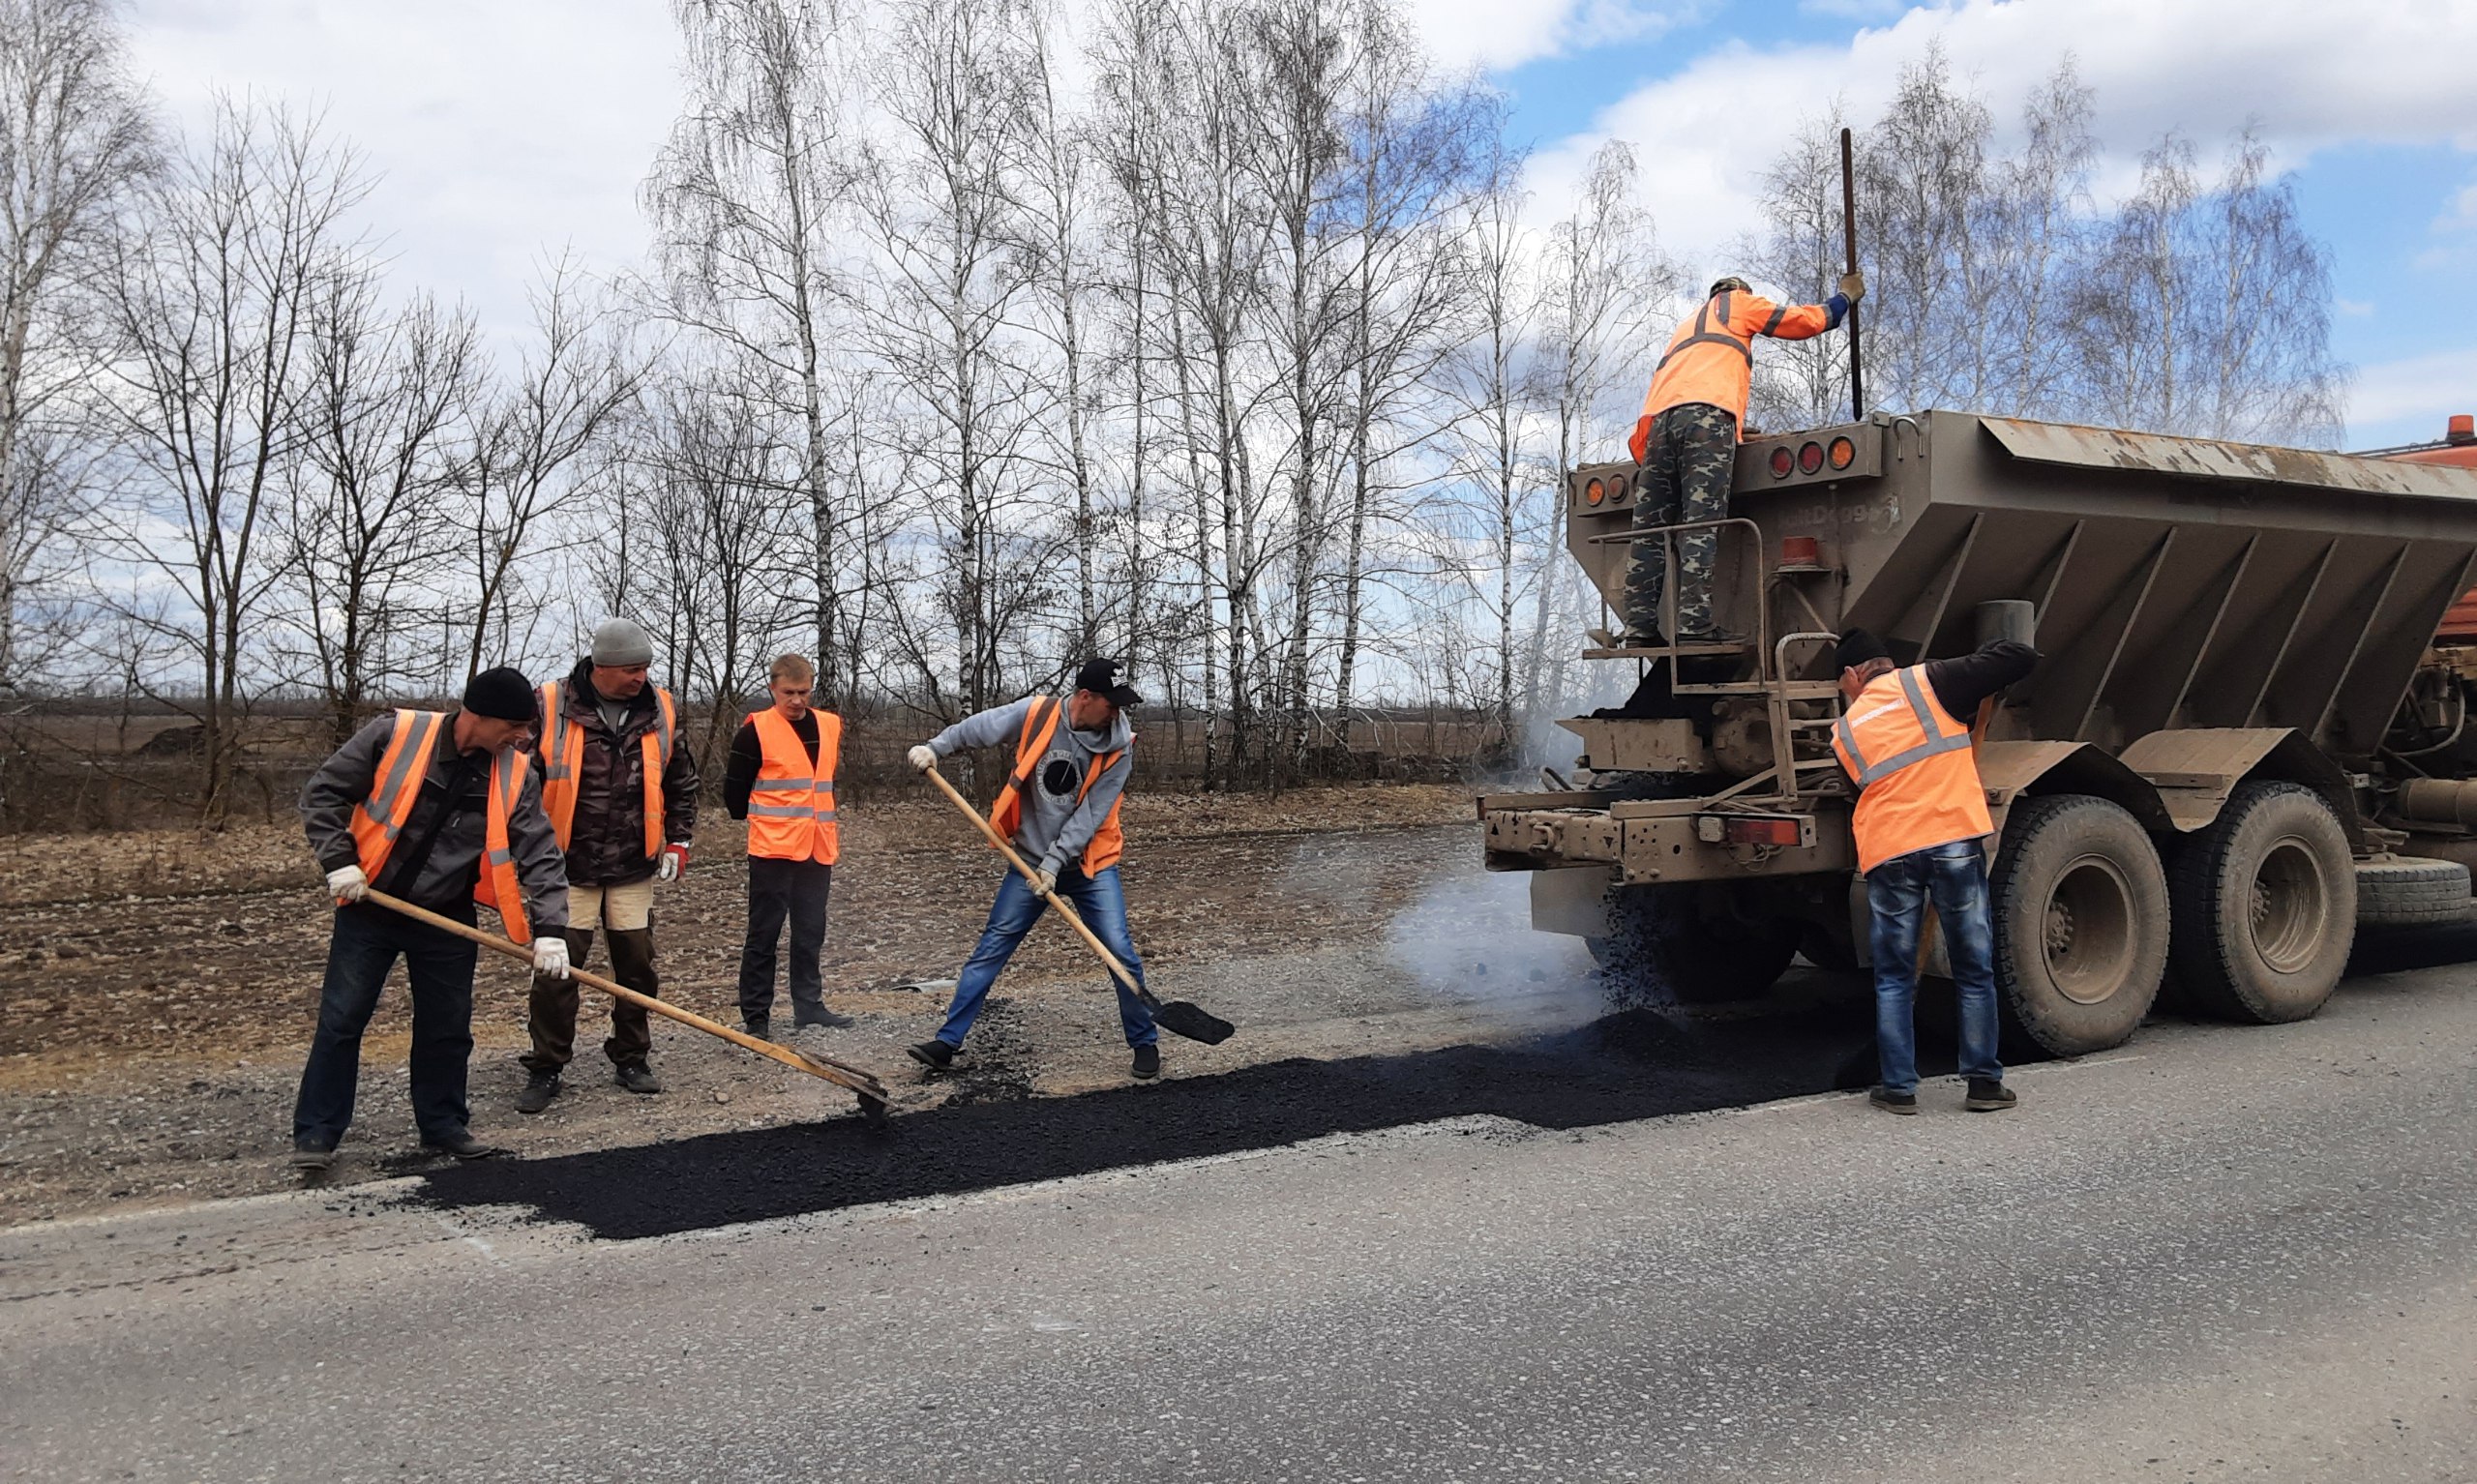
2217 1254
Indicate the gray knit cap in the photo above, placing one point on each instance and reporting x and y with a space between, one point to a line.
619 642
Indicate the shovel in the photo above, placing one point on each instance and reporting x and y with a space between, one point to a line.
872 1093
1179 1017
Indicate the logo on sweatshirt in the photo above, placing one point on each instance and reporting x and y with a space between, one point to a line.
1060 777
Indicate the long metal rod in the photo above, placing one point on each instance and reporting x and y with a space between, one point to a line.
1849 238
863 1083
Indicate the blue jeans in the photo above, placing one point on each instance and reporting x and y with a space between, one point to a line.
364 947
1953 878
1098 899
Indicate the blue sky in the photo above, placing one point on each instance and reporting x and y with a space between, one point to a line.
505 132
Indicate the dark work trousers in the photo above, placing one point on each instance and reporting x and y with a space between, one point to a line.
550 1009
1687 470
780 889
365 945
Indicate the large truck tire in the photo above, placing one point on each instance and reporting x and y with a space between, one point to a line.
2264 903
2412 892
2079 903
1661 949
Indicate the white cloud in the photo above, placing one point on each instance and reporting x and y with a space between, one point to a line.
501 134
2407 400
2308 75
1495 35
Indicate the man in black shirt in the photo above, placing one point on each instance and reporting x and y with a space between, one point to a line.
781 780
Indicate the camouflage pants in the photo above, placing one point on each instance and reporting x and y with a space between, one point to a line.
1685 476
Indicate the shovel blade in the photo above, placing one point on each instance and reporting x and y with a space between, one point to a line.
1181 1018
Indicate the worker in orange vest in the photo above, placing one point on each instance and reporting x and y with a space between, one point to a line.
442 809
781 780
1060 808
1687 442
1921 826
621 792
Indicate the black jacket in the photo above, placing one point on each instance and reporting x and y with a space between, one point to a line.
1962 682
607 838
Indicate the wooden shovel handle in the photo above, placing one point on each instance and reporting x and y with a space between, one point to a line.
1117 969
864 1083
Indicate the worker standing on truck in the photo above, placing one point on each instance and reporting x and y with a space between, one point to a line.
1060 808
1687 442
1921 824
621 792
781 781
441 809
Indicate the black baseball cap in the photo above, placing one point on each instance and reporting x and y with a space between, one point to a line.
1101 677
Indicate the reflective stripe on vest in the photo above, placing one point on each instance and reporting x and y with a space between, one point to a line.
498 886
397 788
1918 783
791 806
1040 724
563 764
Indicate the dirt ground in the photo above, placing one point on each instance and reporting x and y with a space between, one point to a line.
156 990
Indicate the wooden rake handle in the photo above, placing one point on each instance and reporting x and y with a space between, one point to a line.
840 1075
1117 969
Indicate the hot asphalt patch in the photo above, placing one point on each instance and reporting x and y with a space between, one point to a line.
1638 1064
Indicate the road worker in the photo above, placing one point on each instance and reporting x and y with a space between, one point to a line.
1059 809
621 793
781 780
441 809
1921 826
1687 442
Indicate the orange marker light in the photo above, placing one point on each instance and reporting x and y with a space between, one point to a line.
1594 493
1843 453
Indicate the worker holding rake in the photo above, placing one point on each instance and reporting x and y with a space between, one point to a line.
1059 812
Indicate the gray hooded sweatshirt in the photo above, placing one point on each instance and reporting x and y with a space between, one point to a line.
1055 828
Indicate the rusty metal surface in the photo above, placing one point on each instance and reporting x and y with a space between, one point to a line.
2113 448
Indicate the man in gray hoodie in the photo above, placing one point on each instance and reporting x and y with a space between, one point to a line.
1060 808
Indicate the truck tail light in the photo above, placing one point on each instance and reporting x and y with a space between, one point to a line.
1843 453
1761 832
1810 458
1801 552
1595 492
1783 461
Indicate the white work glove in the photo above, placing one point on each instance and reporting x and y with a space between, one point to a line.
348 884
1853 286
551 956
924 757
1044 881
672 863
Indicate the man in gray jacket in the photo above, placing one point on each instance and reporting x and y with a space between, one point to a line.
409 807
1059 809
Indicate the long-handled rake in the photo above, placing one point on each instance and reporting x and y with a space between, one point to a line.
1179 1017
871 1092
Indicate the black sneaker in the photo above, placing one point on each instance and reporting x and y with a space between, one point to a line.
1894 1102
758 1026
637 1077
820 1015
1148 1064
937 1055
463 1144
540 1088
1710 637
1987 1096
307 1155
1647 639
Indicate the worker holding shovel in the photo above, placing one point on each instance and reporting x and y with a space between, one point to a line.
1059 811
441 809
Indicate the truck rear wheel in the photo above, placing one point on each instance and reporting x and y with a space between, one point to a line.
1662 949
2265 906
2079 903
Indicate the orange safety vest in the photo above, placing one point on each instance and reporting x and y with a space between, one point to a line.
1918 783
1711 358
378 820
791 807
562 765
1040 724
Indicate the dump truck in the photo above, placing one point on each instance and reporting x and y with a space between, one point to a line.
2242 741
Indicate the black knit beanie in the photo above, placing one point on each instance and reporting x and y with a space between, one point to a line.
502 694
1857 647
